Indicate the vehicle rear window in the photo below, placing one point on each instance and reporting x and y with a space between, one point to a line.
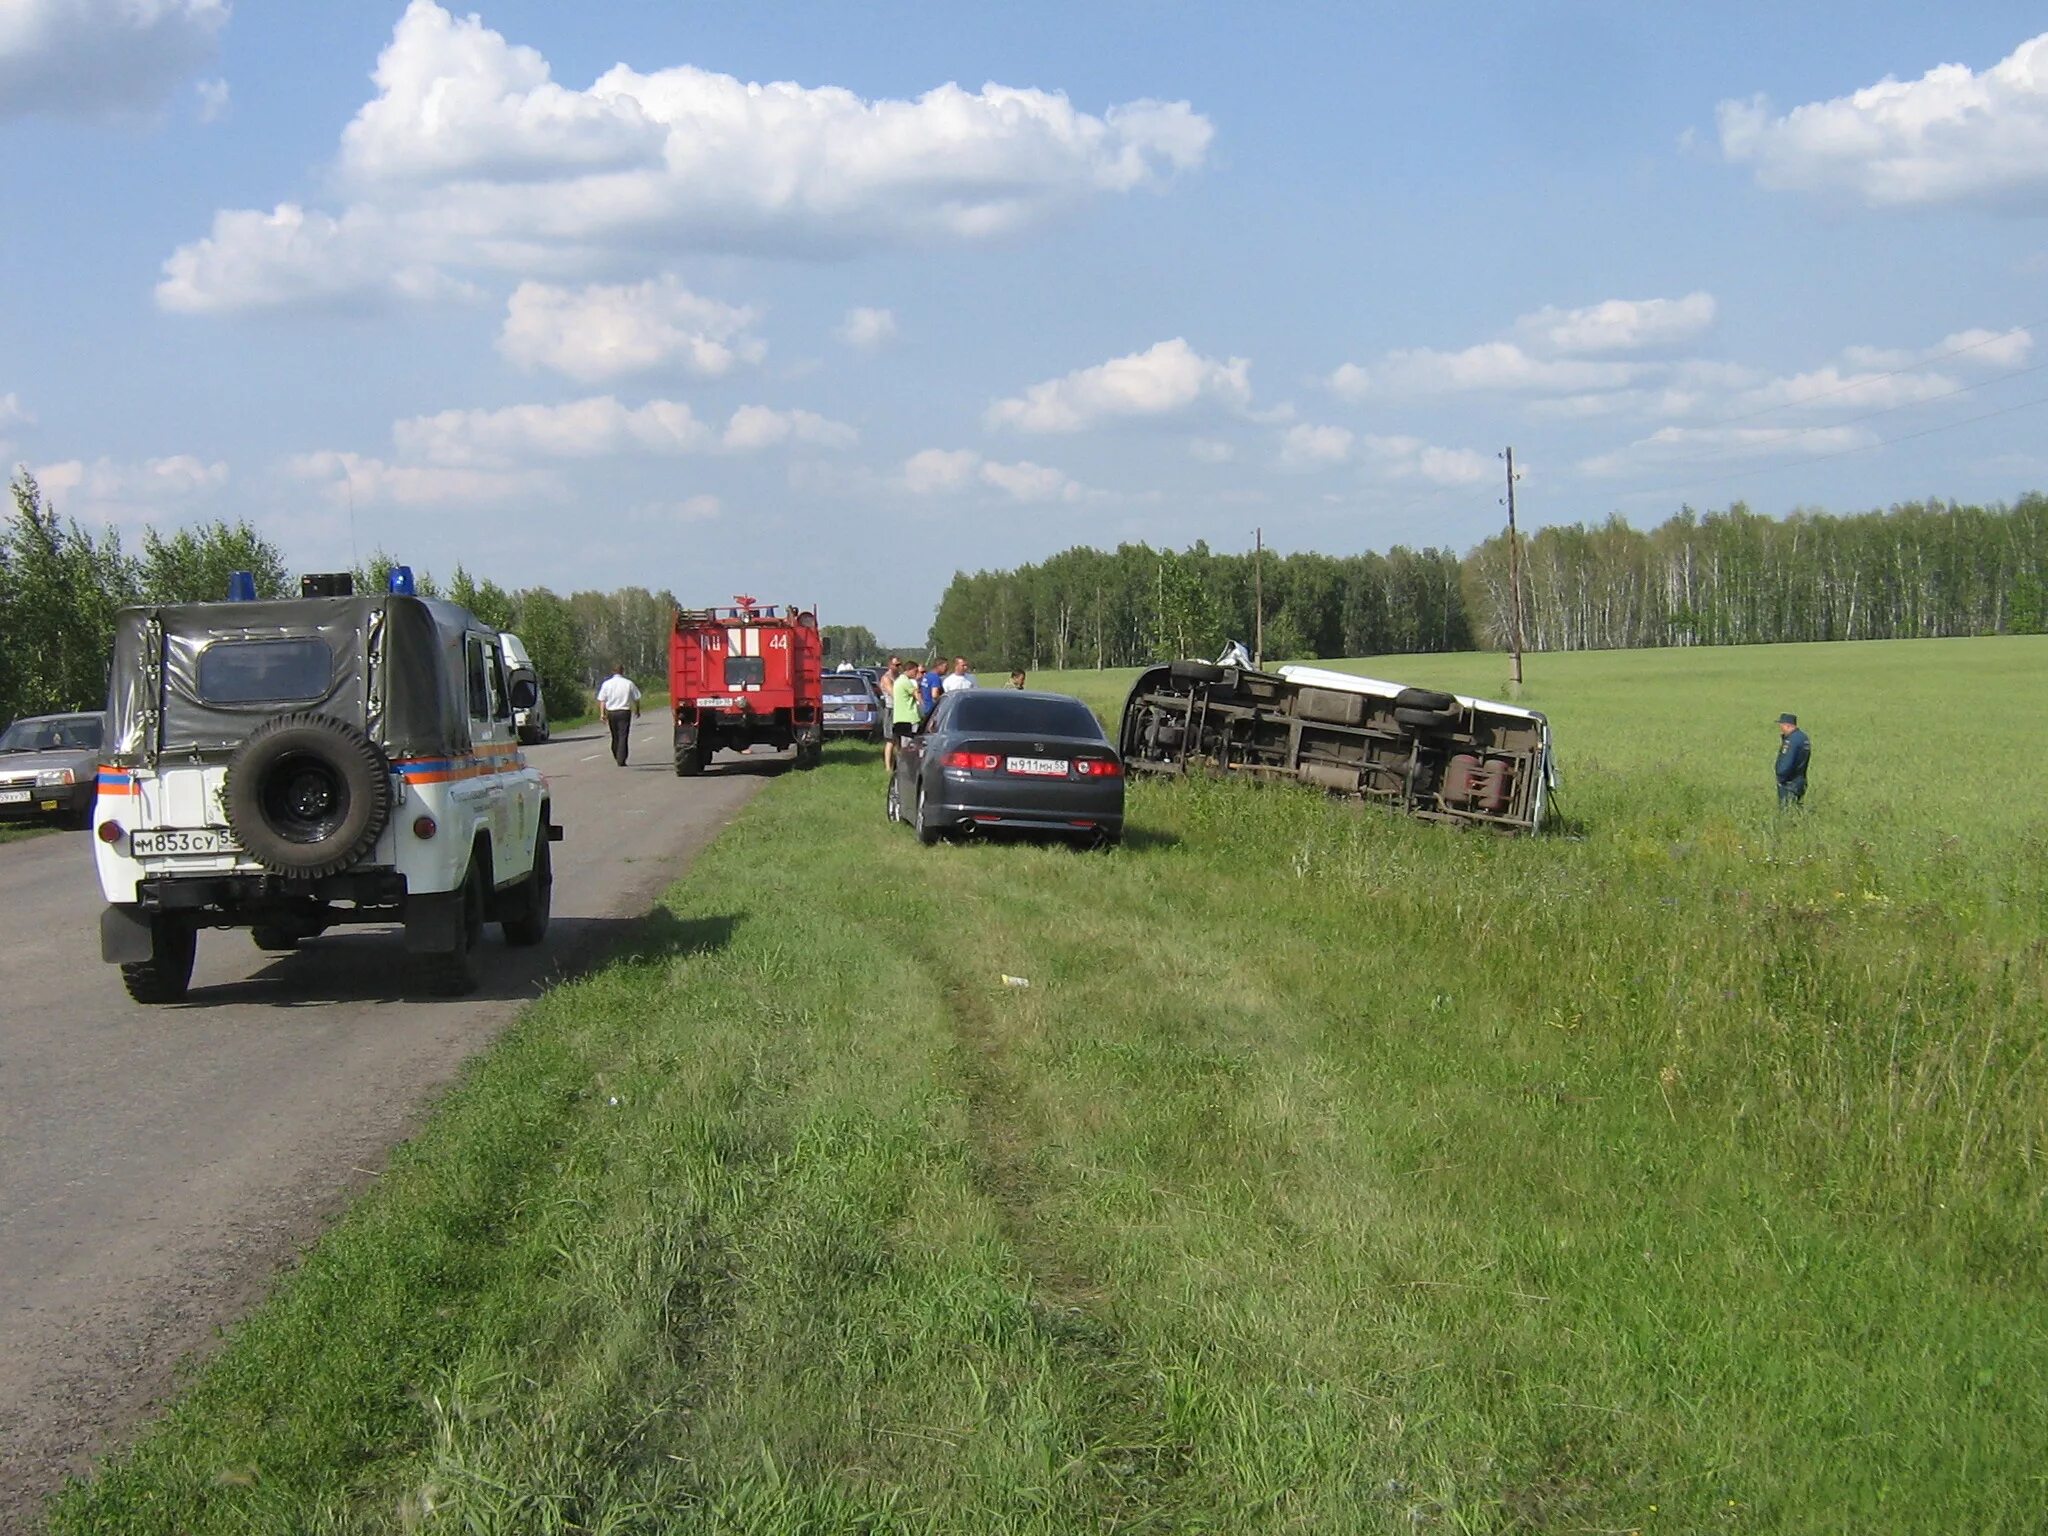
264 671
45 734
845 684
1008 712
745 671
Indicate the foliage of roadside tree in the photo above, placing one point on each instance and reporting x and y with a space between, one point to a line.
194 564
855 643
59 587
486 599
61 583
574 641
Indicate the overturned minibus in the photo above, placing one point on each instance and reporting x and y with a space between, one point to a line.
1436 756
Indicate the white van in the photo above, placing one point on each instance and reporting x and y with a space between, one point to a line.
530 720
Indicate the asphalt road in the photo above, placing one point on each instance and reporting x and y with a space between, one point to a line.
158 1165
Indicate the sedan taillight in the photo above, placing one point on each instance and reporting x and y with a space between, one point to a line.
981 762
1098 768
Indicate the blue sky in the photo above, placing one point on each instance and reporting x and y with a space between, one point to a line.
558 292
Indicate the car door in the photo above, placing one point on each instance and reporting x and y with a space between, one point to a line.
493 791
910 754
929 748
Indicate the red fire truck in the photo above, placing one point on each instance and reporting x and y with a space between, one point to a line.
743 676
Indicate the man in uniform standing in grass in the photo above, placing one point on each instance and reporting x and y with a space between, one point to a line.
1794 750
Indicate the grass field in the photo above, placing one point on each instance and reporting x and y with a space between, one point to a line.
1681 1172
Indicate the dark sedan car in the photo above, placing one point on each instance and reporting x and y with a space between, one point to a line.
49 766
1010 761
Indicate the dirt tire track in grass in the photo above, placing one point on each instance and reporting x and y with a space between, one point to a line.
1128 1448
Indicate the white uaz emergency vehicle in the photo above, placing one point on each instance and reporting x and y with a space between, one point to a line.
287 766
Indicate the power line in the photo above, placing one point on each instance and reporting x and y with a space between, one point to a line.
1821 458
1877 378
1850 421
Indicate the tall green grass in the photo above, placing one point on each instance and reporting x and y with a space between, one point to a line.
1335 1172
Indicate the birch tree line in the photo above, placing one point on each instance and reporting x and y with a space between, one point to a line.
1095 608
1732 577
1919 570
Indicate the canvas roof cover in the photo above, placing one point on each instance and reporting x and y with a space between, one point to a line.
392 667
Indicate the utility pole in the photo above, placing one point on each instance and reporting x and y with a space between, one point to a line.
1258 597
1514 579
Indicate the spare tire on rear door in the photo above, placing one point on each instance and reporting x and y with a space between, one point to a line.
307 795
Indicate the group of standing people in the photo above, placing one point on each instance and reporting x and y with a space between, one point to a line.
912 692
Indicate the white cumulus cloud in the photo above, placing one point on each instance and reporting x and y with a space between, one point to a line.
471 156
936 471
939 469
1025 481
358 479
92 58
603 426
456 102
1410 458
1350 382
1952 137
1973 348
580 429
1490 367
1159 381
760 426
296 258
1832 389
118 492
866 328
610 331
1617 325
701 508
1310 447
1672 447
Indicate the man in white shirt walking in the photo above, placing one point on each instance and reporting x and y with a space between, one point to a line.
620 700
959 678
